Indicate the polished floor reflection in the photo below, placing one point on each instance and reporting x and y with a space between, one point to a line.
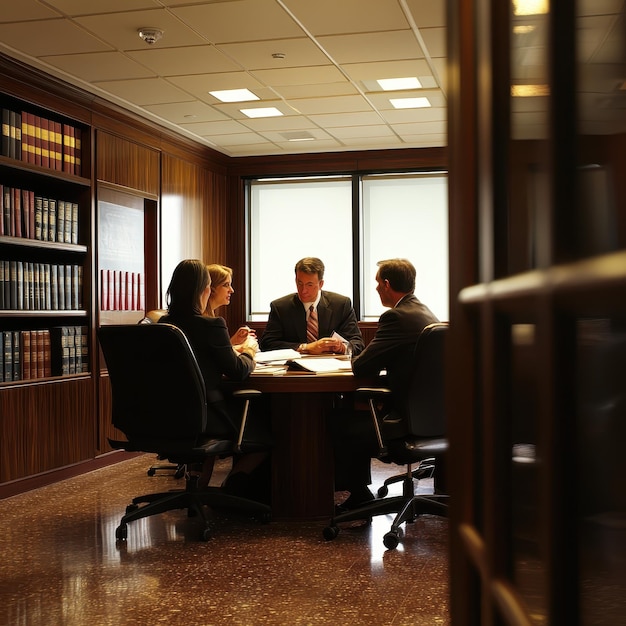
61 564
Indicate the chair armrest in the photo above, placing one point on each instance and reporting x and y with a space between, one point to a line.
246 395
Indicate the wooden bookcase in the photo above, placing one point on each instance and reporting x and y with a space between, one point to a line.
46 386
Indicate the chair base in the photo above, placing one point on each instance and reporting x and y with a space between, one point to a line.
193 499
407 508
179 470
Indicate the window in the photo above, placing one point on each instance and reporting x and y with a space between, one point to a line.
403 215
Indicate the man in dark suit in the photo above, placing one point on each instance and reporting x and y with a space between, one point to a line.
392 347
390 350
287 322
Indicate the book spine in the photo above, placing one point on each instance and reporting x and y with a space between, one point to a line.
74 226
69 301
37 134
1 209
25 214
2 285
40 354
17 212
45 143
19 295
47 363
68 223
26 373
61 287
6 132
38 217
52 220
45 218
8 355
77 151
60 234
17 364
45 286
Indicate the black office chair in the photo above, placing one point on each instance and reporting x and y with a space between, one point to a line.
152 317
415 437
159 403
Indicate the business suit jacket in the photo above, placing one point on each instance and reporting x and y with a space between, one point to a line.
392 347
210 342
286 325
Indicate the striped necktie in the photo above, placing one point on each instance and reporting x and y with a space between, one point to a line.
311 325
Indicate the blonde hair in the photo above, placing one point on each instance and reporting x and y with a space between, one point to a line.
219 275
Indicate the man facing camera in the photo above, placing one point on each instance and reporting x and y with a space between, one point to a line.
312 321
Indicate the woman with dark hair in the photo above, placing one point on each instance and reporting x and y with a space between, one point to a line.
187 298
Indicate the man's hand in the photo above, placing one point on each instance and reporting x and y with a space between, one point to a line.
325 345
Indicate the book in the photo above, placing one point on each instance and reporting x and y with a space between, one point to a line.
1 209
40 353
67 238
45 218
45 143
26 357
17 355
74 222
60 221
38 217
280 356
58 146
17 212
6 132
37 134
52 219
7 349
1 285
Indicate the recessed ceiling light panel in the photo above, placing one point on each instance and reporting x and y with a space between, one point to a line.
410 103
262 112
234 95
399 84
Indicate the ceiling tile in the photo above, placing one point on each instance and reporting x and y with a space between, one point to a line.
184 61
144 91
98 66
369 47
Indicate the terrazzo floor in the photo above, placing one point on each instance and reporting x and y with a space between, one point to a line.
61 565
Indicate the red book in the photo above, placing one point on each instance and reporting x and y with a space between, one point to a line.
104 291
45 143
17 212
68 149
37 133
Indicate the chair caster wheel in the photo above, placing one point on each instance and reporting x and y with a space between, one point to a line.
180 472
391 540
265 518
151 472
206 534
330 532
131 507
121 532
383 491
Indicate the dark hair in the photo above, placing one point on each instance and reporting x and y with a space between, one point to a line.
189 279
311 265
399 272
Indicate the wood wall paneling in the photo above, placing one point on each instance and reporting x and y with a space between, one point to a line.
127 164
44 426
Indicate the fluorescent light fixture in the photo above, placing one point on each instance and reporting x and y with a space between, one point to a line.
234 95
529 91
531 7
398 84
262 112
409 103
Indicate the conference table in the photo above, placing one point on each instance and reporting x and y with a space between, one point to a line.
302 456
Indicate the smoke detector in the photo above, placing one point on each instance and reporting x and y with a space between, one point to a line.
150 35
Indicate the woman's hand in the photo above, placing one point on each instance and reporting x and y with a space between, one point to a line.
241 335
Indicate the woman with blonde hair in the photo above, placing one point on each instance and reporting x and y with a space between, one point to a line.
221 291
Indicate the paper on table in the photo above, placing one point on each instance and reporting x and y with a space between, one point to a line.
321 365
276 355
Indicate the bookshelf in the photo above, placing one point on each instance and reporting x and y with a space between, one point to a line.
45 245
